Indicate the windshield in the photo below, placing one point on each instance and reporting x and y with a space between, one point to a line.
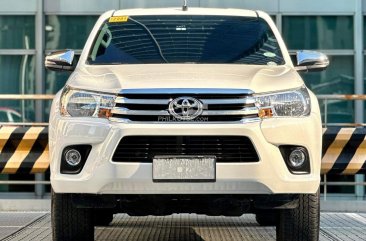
185 39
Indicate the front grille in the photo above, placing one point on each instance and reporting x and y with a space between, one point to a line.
225 148
152 105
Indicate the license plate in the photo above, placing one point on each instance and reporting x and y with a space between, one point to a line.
184 169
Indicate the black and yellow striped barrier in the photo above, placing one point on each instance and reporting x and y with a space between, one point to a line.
344 151
23 150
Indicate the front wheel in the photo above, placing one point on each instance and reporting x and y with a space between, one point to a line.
68 222
301 223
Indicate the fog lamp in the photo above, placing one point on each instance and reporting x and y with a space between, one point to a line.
297 157
73 157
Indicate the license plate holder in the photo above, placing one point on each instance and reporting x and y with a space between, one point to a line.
184 169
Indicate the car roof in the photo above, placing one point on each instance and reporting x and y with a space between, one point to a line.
190 11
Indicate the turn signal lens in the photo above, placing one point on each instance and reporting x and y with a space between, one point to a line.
265 113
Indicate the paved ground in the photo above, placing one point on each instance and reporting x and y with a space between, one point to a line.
183 227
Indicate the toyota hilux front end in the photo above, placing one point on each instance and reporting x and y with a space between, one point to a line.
187 111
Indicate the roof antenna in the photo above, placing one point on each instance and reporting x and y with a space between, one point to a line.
185 7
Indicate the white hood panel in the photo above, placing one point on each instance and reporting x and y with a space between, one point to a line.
113 78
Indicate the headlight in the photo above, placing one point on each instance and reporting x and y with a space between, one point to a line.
294 103
80 103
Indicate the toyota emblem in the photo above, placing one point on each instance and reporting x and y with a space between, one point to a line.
185 108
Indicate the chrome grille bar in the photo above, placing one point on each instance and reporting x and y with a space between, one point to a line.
124 100
180 91
125 111
244 111
245 101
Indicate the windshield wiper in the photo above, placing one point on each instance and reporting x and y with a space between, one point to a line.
153 38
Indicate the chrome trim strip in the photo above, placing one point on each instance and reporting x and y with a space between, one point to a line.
187 91
228 101
125 111
127 121
124 100
244 111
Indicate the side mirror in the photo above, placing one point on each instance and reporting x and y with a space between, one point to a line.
311 61
62 60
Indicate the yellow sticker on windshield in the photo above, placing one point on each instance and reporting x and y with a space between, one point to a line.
118 19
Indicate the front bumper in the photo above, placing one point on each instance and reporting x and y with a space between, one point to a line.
165 204
268 176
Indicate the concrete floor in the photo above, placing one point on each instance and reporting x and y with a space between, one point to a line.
180 227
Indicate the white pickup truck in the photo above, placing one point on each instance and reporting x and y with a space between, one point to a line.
185 111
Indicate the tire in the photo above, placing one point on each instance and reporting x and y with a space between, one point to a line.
301 223
102 217
266 219
70 223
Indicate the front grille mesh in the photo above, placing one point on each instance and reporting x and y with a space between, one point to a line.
225 148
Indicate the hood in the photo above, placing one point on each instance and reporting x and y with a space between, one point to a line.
113 78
